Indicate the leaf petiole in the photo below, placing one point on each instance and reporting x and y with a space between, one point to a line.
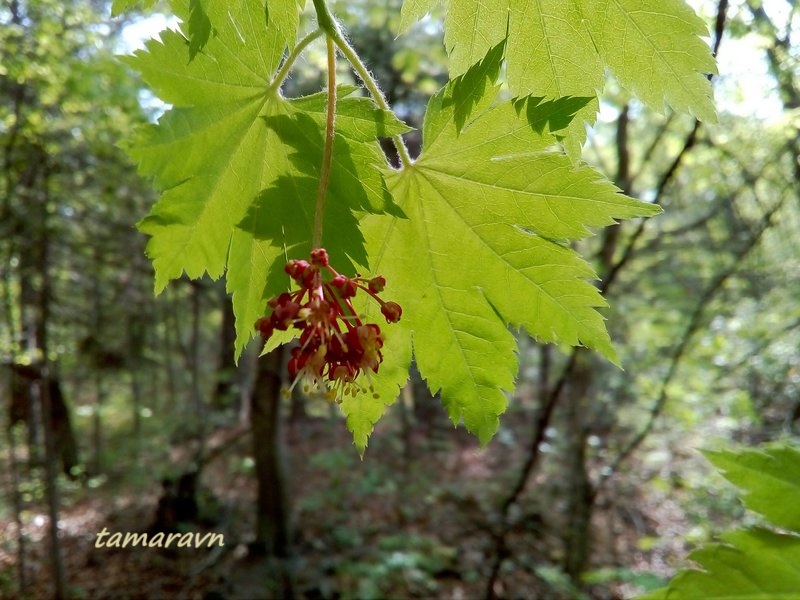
325 19
287 65
372 86
328 23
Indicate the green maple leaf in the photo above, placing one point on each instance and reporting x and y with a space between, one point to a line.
770 479
284 16
282 19
363 410
238 164
490 203
560 48
120 6
414 10
755 563
750 565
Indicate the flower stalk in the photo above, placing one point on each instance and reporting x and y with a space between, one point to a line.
327 23
327 151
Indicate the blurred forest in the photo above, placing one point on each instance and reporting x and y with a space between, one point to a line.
125 411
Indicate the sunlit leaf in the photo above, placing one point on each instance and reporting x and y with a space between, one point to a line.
489 203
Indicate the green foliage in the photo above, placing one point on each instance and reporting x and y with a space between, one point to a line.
400 561
120 6
752 563
247 154
473 237
766 477
490 201
558 49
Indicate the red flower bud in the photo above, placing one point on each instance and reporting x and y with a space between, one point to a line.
264 327
392 311
285 313
319 257
345 285
377 284
296 269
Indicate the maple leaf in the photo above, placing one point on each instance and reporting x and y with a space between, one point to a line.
753 564
284 16
765 476
238 164
750 563
490 202
557 48
120 6
414 10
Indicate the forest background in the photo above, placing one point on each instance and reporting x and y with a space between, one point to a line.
154 427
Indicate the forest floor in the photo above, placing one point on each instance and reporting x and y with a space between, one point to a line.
414 519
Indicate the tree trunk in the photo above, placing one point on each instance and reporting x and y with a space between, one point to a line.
97 423
272 511
580 493
197 405
16 503
45 397
272 507
171 339
224 397
136 398
51 488
297 407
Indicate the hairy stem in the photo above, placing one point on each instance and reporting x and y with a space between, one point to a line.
328 24
372 86
287 65
325 19
327 152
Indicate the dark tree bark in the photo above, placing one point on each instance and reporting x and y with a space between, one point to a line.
46 398
579 490
273 532
224 391
16 504
272 510
196 405
25 380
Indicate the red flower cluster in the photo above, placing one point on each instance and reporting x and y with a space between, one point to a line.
335 346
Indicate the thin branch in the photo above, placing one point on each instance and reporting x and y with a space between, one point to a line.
665 180
692 327
539 431
648 154
669 174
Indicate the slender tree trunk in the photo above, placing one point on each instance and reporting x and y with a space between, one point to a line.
580 493
16 504
272 510
223 396
196 404
297 407
51 487
273 540
13 341
171 346
97 325
97 422
136 397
